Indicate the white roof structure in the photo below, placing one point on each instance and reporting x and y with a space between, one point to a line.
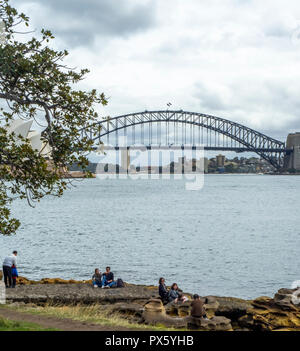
22 128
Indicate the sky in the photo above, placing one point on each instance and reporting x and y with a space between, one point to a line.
237 59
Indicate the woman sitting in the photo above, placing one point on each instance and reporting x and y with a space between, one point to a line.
97 279
175 294
162 290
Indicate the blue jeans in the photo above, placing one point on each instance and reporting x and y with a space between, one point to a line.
105 283
97 283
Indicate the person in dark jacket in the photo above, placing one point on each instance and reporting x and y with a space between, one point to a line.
97 279
162 290
198 309
108 279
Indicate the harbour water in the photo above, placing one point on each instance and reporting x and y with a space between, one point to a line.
238 236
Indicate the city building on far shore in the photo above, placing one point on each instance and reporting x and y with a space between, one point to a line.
220 159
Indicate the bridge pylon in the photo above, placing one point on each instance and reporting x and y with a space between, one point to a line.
292 160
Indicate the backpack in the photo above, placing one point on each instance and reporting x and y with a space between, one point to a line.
120 283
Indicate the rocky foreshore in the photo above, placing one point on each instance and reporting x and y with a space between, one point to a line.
141 304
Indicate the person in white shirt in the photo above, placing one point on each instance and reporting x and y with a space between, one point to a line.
8 263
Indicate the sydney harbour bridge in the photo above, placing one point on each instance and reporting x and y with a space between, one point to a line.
183 128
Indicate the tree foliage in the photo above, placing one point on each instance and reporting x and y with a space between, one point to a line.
36 85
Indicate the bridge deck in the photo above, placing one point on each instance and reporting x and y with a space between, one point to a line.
187 147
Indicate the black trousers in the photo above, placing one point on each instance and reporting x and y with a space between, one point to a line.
7 276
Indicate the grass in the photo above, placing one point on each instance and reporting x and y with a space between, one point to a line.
95 314
8 325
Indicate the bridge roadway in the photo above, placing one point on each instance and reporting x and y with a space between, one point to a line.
194 147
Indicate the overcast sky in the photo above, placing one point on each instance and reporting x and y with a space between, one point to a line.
238 59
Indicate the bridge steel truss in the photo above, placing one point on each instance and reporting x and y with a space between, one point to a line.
249 140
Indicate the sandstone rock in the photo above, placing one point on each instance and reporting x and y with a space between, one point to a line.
288 298
155 313
211 306
232 308
262 301
154 310
62 281
213 324
246 321
184 309
76 293
24 281
178 309
171 309
132 309
280 313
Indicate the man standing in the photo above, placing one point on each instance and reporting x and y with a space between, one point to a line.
8 262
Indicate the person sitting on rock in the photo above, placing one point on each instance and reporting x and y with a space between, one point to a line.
108 279
162 290
175 295
198 310
97 279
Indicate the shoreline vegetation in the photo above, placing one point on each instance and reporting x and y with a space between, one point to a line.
138 307
83 175
217 165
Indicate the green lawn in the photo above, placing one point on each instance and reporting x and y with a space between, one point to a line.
8 325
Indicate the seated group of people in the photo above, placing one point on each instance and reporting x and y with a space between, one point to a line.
103 280
175 295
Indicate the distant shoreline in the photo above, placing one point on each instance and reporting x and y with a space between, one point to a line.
82 176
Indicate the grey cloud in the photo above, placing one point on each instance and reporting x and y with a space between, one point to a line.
209 100
79 22
277 31
269 98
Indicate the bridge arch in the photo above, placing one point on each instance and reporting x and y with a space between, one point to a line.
249 140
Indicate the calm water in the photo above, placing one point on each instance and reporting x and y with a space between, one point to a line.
239 236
